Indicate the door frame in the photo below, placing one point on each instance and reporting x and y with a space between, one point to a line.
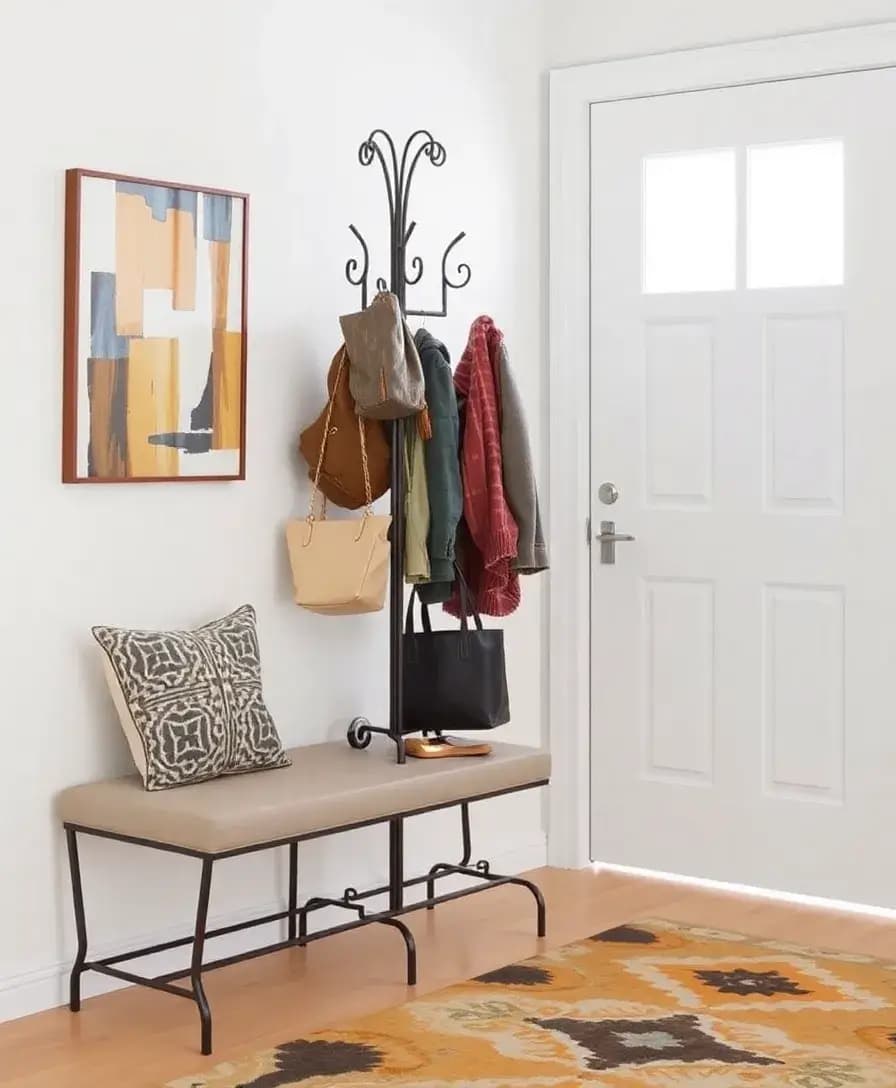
573 91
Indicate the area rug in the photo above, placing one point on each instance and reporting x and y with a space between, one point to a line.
654 1004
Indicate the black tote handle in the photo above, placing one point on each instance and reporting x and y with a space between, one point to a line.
409 613
424 615
467 608
467 604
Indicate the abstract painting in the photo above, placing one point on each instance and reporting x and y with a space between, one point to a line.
155 331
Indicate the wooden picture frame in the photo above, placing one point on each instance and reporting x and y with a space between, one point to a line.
155 330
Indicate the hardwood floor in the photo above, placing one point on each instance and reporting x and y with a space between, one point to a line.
138 1038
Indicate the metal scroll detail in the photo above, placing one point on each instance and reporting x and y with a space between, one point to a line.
398 173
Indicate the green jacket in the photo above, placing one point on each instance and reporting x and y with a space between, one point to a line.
442 466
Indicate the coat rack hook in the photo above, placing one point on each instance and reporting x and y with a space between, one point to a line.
357 274
463 269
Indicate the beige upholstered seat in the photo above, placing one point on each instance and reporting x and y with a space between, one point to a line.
328 786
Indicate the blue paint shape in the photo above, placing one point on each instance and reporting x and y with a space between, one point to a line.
160 198
105 343
217 216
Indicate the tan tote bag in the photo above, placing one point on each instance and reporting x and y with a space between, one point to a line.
340 568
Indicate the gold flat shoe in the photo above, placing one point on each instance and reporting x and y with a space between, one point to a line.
444 748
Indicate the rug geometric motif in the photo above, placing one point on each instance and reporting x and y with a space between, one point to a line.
650 1005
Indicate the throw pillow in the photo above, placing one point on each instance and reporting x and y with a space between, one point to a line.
190 702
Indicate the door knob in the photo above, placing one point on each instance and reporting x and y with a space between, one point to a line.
609 538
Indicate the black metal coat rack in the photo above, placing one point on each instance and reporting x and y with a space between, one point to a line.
398 173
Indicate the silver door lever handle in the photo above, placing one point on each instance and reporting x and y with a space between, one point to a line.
609 538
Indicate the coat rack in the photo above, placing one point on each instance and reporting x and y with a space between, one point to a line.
398 174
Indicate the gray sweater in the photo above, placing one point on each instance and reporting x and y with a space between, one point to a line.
519 475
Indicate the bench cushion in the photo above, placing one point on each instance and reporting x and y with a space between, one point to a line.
328 786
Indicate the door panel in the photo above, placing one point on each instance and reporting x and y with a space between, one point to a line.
743 393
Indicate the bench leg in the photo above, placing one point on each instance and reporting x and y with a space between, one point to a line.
293 890
539 902
465 831
410 944
396 864
205 1015
465 860
74 1001
431 881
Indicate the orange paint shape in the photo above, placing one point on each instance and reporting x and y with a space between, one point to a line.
153 405
219 256
150 253
107 382
227 389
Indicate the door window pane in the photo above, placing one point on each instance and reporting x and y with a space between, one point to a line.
690 221
795 214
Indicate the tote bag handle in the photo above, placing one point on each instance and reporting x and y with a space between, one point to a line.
467 608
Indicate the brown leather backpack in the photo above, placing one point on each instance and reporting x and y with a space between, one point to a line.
342 471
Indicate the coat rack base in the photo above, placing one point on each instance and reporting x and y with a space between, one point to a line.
360 733
296 916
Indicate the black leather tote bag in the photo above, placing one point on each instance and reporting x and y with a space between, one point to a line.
453 680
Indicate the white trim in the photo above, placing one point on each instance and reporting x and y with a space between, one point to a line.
817 902
572 93
47 987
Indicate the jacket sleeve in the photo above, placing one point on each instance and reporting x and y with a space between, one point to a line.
443 471
519 476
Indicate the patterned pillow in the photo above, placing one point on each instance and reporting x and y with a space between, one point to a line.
190 702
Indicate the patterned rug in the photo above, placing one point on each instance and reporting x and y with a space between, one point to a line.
653 1004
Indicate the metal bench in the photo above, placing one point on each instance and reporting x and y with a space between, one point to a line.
329 788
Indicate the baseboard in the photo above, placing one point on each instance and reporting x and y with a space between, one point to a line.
523 856
47 987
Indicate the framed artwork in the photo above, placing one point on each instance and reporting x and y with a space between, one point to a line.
154 382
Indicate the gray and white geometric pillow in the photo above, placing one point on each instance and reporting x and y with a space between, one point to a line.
190 702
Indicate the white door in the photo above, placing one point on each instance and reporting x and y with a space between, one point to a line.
744 405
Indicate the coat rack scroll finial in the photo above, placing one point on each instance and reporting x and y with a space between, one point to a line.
398 173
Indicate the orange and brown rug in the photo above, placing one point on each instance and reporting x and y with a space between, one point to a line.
653 1004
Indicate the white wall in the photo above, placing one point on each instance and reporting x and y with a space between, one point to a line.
581 31
273 97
